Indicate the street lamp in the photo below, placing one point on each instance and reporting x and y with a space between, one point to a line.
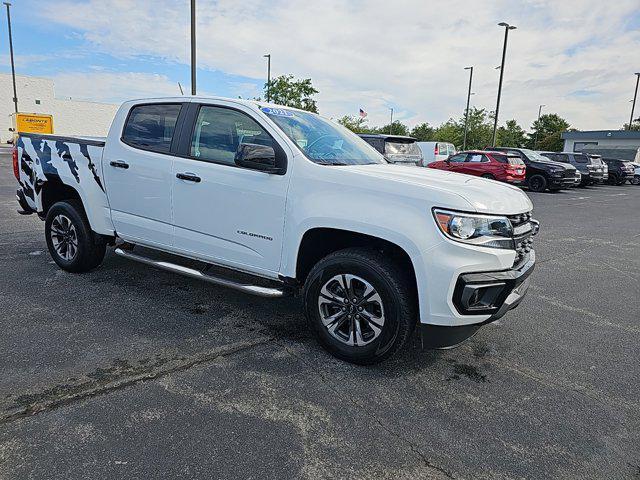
13 68
535 141
635 95
391 124
507 27
193 47
466 112
268 57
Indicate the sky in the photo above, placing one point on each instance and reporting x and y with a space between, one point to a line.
577 57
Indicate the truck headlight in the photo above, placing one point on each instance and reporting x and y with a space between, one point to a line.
482 230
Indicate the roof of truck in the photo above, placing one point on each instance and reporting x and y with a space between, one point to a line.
203 98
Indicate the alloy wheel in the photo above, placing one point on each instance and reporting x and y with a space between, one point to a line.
64 237
351 310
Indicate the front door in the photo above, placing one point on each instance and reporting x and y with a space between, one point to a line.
138 175
222 212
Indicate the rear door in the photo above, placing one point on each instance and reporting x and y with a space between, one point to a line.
222 212
138 174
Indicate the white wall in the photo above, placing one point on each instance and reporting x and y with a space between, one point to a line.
70 117
606 142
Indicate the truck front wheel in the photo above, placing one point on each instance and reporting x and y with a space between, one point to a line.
72 244
360 304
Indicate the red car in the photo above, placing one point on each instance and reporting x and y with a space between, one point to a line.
494 165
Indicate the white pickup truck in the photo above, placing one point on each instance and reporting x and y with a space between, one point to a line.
275 201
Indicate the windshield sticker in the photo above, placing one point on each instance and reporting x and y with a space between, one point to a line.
277 111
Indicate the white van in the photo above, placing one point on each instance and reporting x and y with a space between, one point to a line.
435 151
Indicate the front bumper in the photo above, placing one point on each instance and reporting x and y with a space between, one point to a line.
493 293
561 182
481 293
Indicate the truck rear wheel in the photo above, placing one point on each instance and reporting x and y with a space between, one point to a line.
360 304
72 244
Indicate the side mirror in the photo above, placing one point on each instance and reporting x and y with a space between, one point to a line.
257 157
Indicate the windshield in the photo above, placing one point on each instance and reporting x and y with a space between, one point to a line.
401 148
531 155
322 141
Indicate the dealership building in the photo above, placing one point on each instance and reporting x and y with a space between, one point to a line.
37 95
616 139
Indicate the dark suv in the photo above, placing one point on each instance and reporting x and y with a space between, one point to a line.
619 171
542 173
395 148
590 170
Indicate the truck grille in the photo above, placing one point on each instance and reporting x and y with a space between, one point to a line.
523 242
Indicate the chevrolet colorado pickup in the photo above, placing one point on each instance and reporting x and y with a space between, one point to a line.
275 201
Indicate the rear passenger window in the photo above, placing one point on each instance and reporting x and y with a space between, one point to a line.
581 158
561 158
151 127
220 131
476 158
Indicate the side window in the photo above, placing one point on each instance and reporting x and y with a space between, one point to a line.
476 158
452 149
151 127
559 157
219 132
458 158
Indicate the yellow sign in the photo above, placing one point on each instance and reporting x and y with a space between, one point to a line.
33 123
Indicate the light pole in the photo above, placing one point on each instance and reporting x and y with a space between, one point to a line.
466 112
391 124
507 27
13 68
535 141
268 57
633 107
193 47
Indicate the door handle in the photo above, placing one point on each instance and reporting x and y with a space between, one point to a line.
189 177
119 164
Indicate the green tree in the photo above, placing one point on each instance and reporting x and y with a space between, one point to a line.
396 128
548 130
355 124
511 135
423 132
635 125
450 132
285 90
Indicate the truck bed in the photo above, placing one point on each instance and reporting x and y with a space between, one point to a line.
70 161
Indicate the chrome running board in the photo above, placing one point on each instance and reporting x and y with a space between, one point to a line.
201 275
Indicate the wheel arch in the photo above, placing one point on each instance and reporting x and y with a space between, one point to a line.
318 242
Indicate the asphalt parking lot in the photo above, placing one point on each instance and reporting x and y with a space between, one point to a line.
128 372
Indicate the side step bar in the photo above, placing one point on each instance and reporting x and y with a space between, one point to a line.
197 274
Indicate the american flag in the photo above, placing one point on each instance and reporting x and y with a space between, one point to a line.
363 114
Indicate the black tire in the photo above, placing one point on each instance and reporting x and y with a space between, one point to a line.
398 306
489 176
89 249
613 179
635 180
537 183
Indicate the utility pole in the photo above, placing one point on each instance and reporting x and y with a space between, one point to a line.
507 27
193 47
535 141
391 124
633 107
13 67
268 57
466 112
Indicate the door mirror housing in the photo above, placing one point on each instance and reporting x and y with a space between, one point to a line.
257 157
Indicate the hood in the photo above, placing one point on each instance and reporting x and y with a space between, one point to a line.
482 195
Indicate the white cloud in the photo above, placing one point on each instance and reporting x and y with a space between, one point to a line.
113 87
408 54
